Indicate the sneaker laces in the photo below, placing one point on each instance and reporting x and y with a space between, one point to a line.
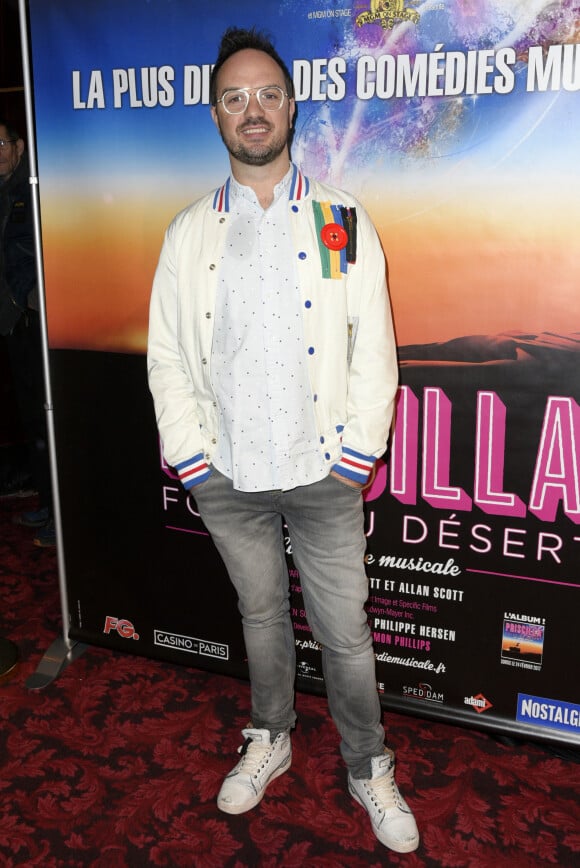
385 793
254 756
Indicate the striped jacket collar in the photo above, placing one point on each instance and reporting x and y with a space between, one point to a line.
299 189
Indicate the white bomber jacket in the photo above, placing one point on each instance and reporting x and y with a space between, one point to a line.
348 329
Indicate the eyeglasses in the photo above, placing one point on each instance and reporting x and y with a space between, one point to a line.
5 142
270 98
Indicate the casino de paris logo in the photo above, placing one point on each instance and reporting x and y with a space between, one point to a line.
388 13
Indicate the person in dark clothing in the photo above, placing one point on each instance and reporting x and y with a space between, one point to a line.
20 331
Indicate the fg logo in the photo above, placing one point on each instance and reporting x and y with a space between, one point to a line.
123 628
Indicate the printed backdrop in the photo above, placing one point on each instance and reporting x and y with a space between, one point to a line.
456 123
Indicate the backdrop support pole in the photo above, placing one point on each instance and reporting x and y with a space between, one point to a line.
62 651
59 655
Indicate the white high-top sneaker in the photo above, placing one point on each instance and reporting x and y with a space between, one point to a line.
391 818
260 763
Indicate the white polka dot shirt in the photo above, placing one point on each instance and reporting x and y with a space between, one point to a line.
267 434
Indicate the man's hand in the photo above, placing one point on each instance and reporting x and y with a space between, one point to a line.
345 481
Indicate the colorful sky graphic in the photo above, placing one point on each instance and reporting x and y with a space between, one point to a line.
520 645
476 199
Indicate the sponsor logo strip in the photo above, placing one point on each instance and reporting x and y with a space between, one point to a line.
549 713
191 645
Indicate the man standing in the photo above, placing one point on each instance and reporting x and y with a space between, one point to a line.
273 370
20 331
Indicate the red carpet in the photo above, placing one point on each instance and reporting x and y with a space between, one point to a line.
118 763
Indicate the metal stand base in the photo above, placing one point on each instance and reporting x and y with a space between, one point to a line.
8 657
57 658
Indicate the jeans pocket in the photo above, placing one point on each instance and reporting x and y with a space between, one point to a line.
344 486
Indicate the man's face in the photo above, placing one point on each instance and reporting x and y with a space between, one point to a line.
255 137
10 153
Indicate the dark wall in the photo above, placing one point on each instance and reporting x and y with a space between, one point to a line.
11 76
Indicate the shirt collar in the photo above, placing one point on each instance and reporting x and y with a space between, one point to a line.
294 185
241 191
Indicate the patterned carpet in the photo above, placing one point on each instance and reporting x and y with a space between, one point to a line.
119 760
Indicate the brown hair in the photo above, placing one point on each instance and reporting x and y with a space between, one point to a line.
237 39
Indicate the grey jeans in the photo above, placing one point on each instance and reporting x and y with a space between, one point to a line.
325 522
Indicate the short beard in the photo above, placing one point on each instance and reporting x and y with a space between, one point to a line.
256 157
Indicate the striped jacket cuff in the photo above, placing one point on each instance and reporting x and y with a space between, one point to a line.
194 471
354 465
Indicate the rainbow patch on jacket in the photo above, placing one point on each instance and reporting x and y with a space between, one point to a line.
336 234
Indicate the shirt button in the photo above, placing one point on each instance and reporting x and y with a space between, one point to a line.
212 267
213 440
222 219
308 303
208 315
327 456
310 351
322 439
295 208
315 398
204 361
302 255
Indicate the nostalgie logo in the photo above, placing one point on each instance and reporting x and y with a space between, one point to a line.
191 645
125 629
522 641
424 692
388 13
479 703
549 713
